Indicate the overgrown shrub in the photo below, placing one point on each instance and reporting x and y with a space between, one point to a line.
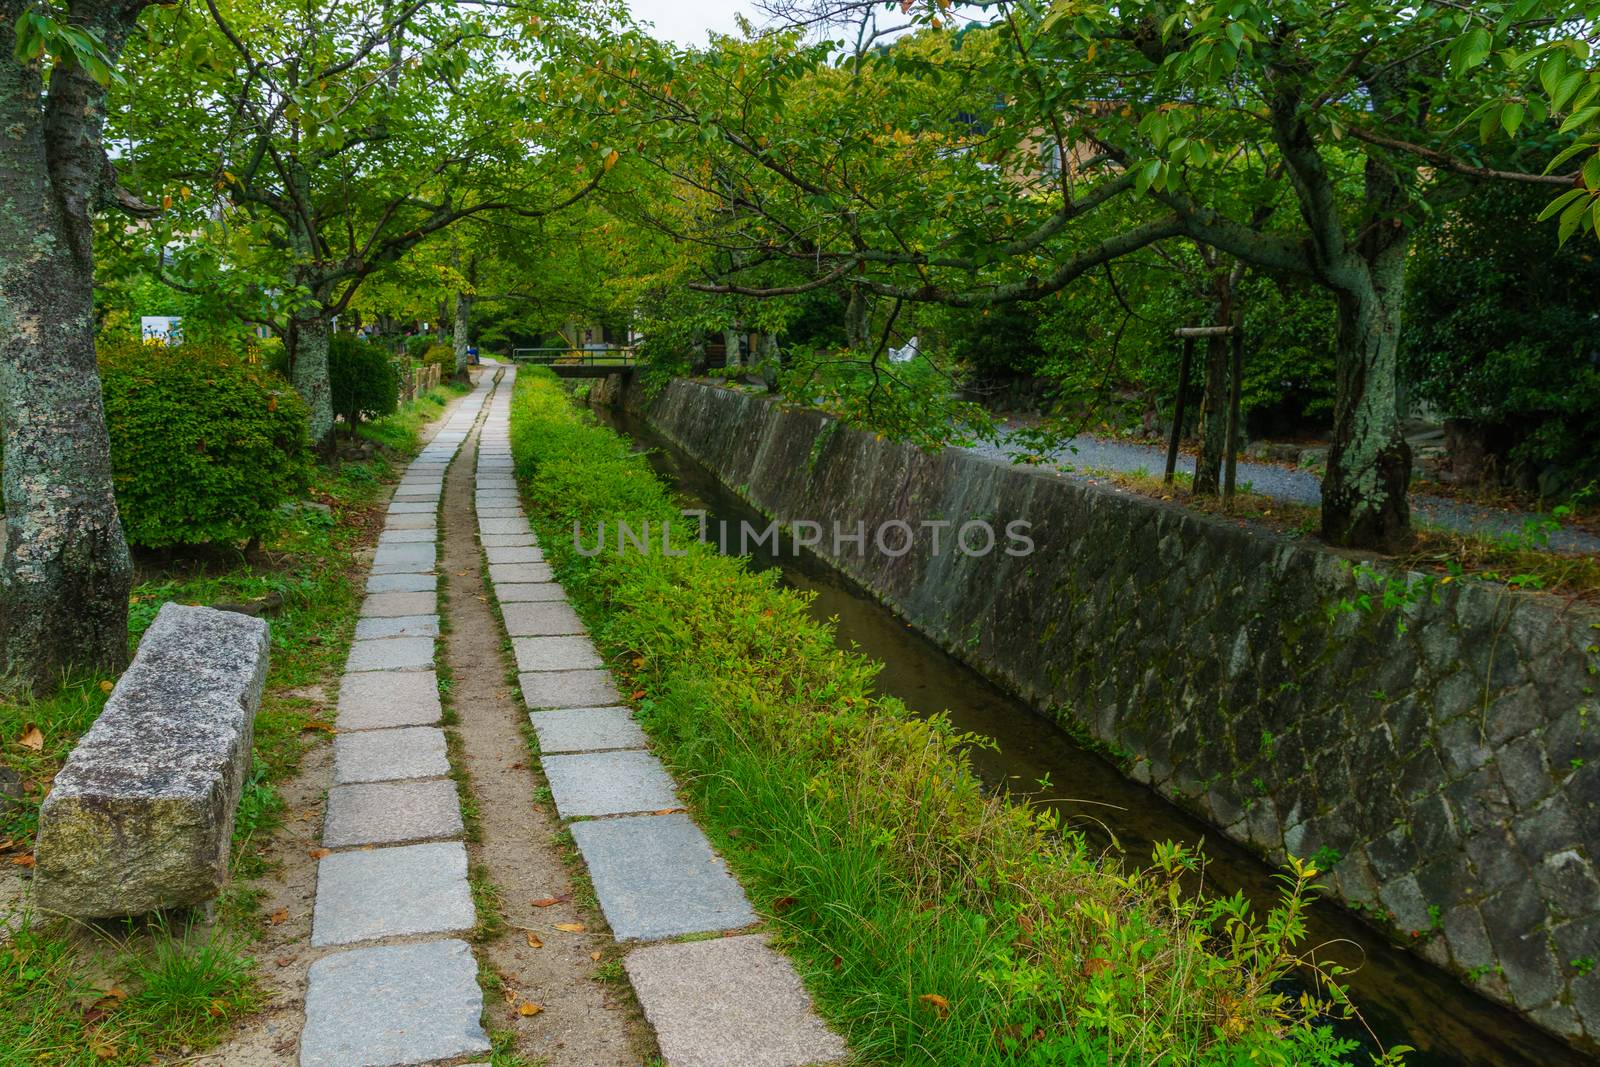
365 384
937 922
206 443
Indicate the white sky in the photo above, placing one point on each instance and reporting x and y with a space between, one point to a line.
686 22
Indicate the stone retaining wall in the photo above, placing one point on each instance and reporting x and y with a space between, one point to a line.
1436 742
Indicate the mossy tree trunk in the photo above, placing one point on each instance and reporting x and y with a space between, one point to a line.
1364 491
309 330
66 572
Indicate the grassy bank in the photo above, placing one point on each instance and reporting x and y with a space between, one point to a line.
934 923
125 993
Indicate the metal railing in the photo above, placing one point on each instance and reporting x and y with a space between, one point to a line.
597 356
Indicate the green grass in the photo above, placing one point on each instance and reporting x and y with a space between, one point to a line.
183 989
935 923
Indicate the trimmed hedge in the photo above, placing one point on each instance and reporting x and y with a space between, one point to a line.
206 443
935 922
442 356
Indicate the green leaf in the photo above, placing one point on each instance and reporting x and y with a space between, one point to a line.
1580 118
1511 118
1570 219
1591 172
1559 203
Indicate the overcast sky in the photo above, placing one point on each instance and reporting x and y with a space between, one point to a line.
687 22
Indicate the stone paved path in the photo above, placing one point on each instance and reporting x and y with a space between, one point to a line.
396 983
722 1002
393 887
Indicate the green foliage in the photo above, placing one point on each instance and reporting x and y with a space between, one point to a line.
937 923
1502 331
206 444
365 383
441 356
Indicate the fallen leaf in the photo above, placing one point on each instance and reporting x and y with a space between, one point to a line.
667 811
318 724
638 694
114 993
533 939
284 961
528 1008
595 956
24 860
545 902
511 995
106 686
460 573
279 916
638 663
783 903
571 928
32 738
8 844
838 963
1094 966
940 1004
317 853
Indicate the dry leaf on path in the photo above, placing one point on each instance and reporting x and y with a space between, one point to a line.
279 916
571 928
545 902
25 860
533 939
32 738
529 1008
595 956
317 853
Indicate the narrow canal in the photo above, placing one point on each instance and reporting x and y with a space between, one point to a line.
1403 999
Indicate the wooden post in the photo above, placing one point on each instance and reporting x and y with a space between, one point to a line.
1177 409
1235 374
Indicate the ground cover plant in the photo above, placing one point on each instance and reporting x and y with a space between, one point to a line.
935 923
124 993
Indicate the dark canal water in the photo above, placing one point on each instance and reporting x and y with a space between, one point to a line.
1403 999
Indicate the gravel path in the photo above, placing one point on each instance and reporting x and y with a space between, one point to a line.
1085 453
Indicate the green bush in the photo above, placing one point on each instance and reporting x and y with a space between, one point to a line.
365 384
441 356
206 443
935 921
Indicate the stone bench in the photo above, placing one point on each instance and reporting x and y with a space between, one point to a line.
141 817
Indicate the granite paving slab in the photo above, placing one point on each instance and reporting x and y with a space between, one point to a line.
396 1004
586 729
389 755
402 583
503 526
507 573
411 522
384 813
528 592
393 605
413 507
408 537
506 512
540 618
419 557
656 877
390 654
608 783
521 554
568 689
397 626
391 892
375 700
568 653
506 540
729 1002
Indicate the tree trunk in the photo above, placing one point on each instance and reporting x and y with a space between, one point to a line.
730 345
308 363
1213 419
1364 491
459 336
66 572
855 319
